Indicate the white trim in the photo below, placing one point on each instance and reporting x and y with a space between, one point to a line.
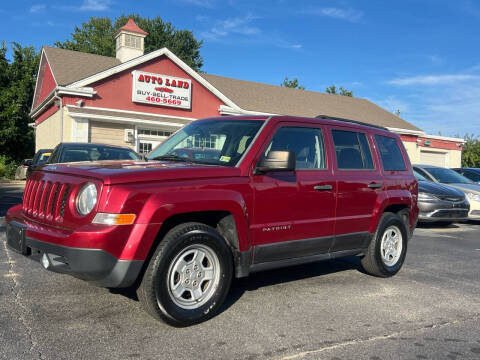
48 99
446 138
38 72
226 110
79 91
61 90
141 59
406 131
125 120
132 112
51 70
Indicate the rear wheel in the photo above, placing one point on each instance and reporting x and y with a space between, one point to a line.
188 276
387 250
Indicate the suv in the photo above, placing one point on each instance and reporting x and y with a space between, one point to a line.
279 191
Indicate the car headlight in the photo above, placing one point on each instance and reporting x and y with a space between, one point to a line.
473 196
426 196
86 199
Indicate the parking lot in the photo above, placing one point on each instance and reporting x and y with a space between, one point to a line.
325 310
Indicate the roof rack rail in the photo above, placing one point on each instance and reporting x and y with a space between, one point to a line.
349 121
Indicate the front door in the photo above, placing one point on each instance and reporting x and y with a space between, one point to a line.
294 212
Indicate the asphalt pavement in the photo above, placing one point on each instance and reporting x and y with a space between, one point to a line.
326 310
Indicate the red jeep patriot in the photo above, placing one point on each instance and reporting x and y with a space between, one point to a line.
222 197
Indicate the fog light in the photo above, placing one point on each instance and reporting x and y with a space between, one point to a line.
45 261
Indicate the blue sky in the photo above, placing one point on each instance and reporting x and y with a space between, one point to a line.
421 57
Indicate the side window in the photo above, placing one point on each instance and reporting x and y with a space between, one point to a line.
471 175
352 150
53 158
390 153
306 143
423 173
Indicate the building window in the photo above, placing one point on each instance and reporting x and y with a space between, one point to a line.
119 41
151 132
133 41
144 148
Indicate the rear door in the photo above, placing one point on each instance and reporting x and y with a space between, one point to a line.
359 184
294 212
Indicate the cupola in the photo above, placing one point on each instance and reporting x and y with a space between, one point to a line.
130 41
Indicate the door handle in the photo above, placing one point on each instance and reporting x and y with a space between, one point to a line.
322 187
374 186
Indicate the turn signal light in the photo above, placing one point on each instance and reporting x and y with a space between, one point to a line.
114 219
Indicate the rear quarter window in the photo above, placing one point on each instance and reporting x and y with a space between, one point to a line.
390 153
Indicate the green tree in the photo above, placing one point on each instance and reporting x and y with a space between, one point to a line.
332 89
292 84
97 36
471 151
17 80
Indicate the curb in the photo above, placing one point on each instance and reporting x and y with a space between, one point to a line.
12 182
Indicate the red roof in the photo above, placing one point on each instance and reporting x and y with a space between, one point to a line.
132 27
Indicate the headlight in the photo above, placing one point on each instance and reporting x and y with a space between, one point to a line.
473 196
86 199
426 196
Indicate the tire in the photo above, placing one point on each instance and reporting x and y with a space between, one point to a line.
188 276
388 248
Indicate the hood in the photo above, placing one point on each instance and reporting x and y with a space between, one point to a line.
125 171
438 189
474 188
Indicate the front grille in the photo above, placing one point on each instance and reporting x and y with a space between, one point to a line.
451 198
451 214
45 199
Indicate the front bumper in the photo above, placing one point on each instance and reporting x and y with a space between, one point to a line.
444 215
93 265
474 213
443 211
88 255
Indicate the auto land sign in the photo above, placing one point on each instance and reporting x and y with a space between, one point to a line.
162 90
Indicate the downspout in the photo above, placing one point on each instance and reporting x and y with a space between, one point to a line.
60 101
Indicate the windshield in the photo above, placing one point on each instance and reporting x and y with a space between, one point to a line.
448 176
217 142
419 176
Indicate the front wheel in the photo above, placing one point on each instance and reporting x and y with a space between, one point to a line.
388 248
188 276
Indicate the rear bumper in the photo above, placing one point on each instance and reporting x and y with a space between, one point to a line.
93 265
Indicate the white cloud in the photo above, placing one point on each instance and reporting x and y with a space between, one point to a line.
433 79
347 14
436 60
202 3
448 103
238 25
95 5
201 18
37 8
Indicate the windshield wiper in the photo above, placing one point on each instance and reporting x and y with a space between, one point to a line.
171 157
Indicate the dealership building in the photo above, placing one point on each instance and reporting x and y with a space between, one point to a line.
138 100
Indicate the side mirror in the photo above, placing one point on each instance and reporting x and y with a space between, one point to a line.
277 161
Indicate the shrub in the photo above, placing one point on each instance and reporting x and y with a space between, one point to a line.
7 168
